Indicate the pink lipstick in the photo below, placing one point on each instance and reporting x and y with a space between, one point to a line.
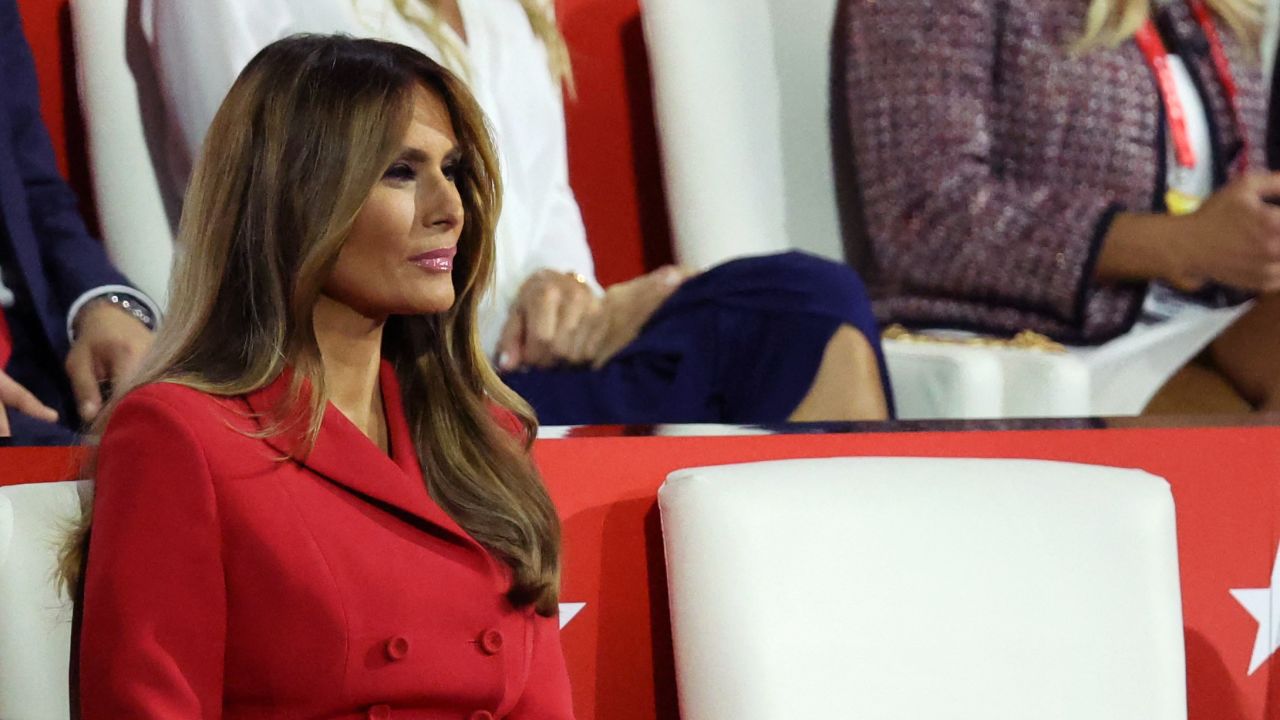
437 260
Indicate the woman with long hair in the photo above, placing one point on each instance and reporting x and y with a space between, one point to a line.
1071 167
787 337
316 499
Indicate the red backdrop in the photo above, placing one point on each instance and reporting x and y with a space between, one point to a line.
618 648
613 157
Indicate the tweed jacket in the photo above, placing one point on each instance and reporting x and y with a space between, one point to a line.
982 161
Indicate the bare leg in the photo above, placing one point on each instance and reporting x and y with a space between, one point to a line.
1197 389
847 385
1248 354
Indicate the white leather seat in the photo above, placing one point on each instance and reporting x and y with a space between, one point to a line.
890 588
741 97
123 120
933 380
35 618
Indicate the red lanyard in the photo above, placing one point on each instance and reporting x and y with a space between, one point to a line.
1157 56
6 343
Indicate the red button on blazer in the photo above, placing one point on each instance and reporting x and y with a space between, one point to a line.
397 648
491 642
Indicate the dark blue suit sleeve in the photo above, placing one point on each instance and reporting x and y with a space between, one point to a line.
74 261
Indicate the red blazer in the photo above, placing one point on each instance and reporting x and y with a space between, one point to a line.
223 582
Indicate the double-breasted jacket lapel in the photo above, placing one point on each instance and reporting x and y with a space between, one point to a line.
343 455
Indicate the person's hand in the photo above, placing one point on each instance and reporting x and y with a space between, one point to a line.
17 398
556 319
109 345
544 317
626 308
1233 238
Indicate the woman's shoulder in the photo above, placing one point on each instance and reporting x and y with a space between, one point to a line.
176 404
174 394
173 421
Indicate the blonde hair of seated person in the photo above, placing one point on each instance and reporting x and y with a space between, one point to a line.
285 170
542 20
1111 22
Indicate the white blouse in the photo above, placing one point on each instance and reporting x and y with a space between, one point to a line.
199 47
1195 181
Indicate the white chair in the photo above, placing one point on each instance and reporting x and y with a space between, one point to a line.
123 119
35 618
889 588
741 97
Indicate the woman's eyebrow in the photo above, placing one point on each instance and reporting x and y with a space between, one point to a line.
418 156
413 155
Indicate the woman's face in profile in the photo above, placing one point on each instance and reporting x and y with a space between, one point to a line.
398 259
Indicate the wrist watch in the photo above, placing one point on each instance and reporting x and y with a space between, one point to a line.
124 301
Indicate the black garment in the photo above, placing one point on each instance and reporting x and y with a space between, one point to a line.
1273 119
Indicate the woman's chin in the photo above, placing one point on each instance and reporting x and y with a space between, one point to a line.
430 304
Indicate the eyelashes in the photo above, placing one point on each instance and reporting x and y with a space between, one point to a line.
452 170
404 172
400 172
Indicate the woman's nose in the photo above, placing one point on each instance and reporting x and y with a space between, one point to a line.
444 211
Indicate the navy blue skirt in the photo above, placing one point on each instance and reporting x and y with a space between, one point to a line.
740 343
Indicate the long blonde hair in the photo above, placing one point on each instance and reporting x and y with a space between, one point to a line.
307 130
542 19
1111 22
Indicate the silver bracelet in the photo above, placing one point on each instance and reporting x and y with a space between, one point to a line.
129 304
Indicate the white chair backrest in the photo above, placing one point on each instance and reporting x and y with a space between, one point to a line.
123 118
889 588
741 99
35 619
